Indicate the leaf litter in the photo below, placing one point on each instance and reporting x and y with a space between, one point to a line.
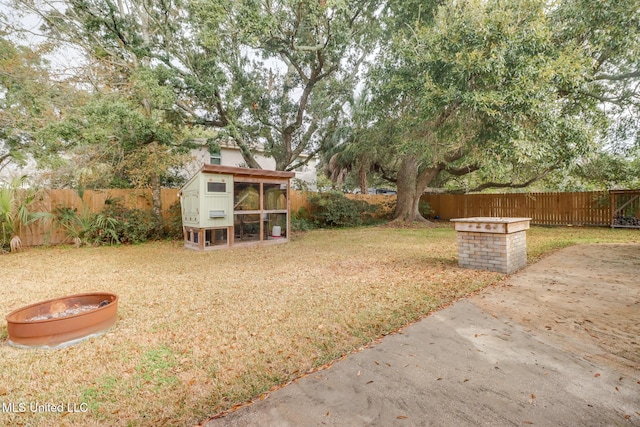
199 334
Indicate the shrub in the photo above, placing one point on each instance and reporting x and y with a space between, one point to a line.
132 225
333 209
173 223
425 209
300 220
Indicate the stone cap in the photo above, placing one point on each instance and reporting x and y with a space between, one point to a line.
496 225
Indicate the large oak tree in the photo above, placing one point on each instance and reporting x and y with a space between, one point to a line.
494 94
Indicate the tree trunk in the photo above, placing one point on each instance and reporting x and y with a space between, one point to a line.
411 184
156 201
362 175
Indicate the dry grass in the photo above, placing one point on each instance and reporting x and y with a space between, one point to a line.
198 333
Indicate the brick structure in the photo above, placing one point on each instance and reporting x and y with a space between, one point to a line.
494 244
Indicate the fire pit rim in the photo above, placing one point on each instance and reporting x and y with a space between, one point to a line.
114 298
58 332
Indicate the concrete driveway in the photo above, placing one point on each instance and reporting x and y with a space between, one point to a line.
556 344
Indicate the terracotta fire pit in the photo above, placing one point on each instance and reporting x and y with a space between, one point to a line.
62 321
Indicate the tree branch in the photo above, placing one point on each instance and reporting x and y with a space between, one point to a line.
377 167
462 170
601 98
511 185
617 77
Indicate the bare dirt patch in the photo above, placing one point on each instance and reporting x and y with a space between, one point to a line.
587 301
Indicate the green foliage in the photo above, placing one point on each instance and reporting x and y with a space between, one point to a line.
99 393
86 227
113 225
156 367
425 208
114 142
127 225
333 209
493 94
16 212
29 99
173 224
301 221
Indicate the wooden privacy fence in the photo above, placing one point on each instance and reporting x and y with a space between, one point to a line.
92 201
584 208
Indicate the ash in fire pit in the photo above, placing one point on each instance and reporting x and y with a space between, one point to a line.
67 312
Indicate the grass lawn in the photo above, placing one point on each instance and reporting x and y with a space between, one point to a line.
198 333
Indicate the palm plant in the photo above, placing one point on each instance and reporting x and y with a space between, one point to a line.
15 213
85 227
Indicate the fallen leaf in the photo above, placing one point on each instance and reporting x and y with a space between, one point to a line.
402 417
369 382
527 422
3 391
597 375
617 389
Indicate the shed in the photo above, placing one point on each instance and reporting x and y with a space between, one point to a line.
224 206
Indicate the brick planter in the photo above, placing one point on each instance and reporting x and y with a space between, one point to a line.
494 244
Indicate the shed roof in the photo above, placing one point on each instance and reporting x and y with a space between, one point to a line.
235 171
257 173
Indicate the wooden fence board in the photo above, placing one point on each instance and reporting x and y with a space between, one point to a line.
584 208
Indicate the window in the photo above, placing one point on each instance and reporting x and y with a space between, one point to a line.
246 196
214 152
275 197
216 187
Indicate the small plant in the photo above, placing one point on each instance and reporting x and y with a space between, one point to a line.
15 212
85 227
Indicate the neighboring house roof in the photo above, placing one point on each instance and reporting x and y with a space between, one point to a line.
230 143
230 155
